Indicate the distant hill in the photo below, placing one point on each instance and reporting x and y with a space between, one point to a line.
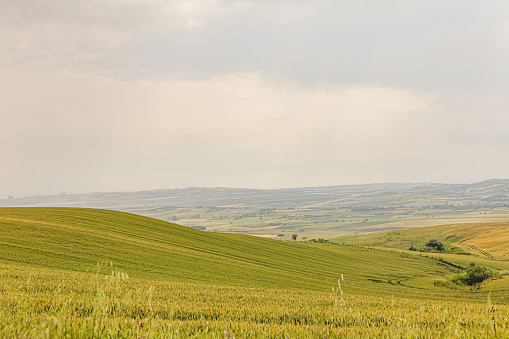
310 212
489 191
205 197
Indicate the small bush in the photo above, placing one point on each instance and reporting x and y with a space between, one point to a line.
474 274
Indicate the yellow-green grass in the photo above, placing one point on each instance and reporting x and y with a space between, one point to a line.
489 240
52 303
77 239
188 283
493 241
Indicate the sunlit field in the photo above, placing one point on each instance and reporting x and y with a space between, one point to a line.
83 273
55 304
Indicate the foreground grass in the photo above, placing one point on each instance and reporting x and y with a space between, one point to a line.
186 283
42 303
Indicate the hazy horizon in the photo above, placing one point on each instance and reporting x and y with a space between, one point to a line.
409 184
105 96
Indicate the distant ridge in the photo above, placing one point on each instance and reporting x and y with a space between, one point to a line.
492 190
196 196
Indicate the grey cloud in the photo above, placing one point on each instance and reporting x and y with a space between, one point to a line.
443 46
86 13
436 45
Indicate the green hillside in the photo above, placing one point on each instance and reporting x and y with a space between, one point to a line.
77 239
187 283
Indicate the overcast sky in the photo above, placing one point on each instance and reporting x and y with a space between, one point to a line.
121 95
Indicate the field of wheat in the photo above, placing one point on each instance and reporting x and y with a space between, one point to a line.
42 303
79 273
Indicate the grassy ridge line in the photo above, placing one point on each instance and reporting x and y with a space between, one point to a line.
76 239
180 243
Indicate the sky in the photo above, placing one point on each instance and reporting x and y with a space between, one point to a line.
126 95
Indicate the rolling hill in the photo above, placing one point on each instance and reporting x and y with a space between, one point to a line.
486 240
77 239
63 274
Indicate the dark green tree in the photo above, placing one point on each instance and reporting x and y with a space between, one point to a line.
435 244
475 274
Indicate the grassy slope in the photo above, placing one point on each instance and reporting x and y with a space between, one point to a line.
77 239
492 242
484 239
